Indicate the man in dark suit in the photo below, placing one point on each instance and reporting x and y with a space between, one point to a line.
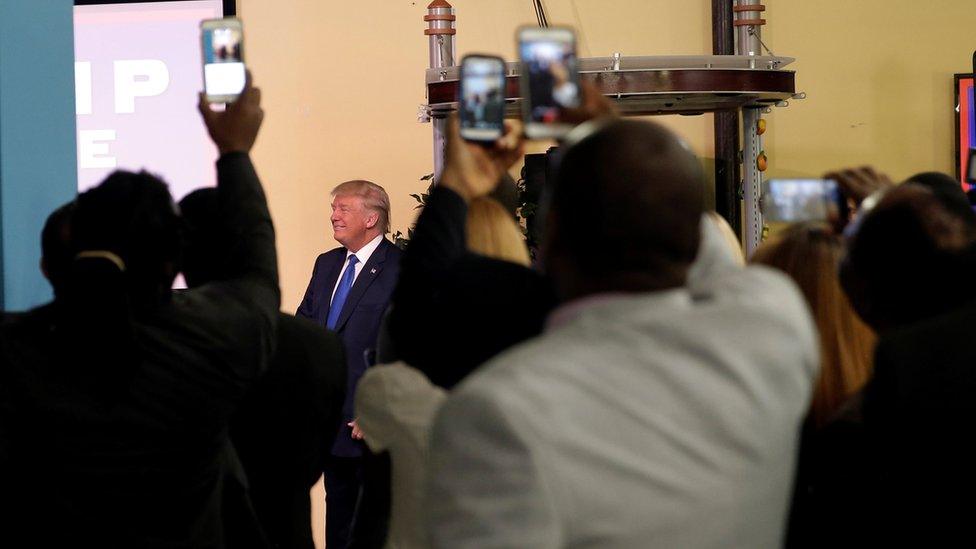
285 427
349 292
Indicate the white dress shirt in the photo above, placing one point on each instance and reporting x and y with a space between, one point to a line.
666 419
395 407
362 256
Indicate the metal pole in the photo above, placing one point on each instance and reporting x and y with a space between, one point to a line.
726 126
748 27
441 33
748 23
752 178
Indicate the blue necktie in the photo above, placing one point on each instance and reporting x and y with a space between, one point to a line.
345 284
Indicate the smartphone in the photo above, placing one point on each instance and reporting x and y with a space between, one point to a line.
223 59
481 98
549 79
799 200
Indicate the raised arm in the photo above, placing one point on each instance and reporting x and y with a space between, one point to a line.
243 209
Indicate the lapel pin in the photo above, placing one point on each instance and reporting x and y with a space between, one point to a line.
372 271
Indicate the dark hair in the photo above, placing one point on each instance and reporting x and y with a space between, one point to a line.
56 253
948 191
202 256
627 207
910 259
132 215
126 245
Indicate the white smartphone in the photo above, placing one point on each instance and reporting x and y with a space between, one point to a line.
549 79
223 59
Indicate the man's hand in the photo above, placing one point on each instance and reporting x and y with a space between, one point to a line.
860 183
236 128
473 170
357 433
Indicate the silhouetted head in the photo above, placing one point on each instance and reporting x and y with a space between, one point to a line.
910 259
56 255
948 191
203 257
625 211
127 224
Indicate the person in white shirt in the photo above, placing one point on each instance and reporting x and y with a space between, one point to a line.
655 410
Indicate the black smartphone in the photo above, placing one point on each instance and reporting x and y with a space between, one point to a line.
549 79
223 59
481 98
799 200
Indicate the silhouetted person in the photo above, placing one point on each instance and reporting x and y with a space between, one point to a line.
285 426
115 399
909 272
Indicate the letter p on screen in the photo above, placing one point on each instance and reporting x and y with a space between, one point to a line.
138 78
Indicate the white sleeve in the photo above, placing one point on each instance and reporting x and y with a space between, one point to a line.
714 258
485 489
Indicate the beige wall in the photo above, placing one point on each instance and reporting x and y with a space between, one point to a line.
878 74
342 82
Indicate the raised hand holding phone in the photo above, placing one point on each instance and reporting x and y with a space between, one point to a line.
236 128
472 169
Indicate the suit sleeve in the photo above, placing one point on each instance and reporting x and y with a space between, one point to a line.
305 309
484 487
246 298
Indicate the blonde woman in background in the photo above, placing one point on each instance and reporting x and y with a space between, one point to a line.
396 403
492 232
811 254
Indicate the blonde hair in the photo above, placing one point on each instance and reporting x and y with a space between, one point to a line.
728 236
810 254
492 232
374 198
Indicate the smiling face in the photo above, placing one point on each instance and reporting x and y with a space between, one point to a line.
353 224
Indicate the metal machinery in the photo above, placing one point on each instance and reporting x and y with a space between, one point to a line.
747 82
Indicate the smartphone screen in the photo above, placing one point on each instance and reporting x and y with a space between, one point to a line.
798 200
223 59
549 78
481 98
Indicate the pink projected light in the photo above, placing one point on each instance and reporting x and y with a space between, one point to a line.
137 76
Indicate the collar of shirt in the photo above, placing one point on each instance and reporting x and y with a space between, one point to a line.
365 252
571 310
567 312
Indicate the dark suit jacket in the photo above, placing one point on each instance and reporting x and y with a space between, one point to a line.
359 322
919 416
283 429
453 309
140 461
